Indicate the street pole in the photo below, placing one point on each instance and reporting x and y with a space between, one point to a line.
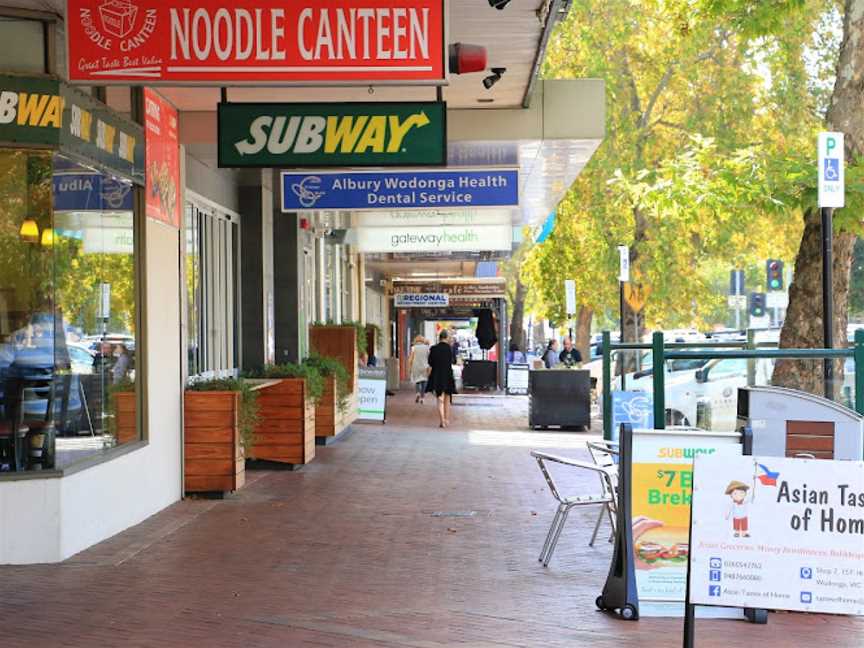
828 295
621 308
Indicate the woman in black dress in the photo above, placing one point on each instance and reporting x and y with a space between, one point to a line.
441 380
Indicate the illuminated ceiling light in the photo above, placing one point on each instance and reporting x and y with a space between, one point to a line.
47 237
29 231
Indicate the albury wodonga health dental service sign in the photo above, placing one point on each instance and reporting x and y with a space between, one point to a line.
261 42
777 533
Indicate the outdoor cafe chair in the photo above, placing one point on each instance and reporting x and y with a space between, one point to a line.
605 498
605 455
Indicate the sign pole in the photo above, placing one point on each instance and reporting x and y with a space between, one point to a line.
832 195
828 296
621 308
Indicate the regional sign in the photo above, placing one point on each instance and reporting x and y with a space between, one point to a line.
332 134
163 159
468 238
422 300
777 533
361 190
278 42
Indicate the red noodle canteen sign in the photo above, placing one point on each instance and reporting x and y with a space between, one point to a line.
162 146
265 42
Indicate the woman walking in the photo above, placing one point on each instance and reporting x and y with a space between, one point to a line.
418 363
441 380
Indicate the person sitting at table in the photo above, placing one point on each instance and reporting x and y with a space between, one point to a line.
570 356
550 356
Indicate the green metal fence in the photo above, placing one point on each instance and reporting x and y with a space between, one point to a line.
662 352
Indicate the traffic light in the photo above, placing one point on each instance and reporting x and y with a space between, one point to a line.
756 304
774 275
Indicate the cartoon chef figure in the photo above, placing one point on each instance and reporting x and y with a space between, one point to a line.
738 508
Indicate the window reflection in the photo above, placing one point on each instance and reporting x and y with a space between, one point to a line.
67 312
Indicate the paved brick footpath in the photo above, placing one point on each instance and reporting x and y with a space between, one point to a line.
402 535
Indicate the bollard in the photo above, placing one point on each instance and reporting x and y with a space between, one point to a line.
859 374
607 386
659 375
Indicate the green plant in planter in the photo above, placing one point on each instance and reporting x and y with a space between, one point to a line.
314 378
248 415
359 328
125 385
331 367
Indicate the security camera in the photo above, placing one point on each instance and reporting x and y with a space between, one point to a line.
498 4
493 78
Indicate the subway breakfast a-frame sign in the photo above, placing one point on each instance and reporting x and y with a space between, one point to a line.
332 134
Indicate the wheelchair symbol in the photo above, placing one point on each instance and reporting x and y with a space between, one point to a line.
832 169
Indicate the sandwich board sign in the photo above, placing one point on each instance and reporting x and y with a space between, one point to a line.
373 394
778 533
662 479
831 172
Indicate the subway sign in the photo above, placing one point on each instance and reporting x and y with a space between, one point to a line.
40 111
332 134
260 42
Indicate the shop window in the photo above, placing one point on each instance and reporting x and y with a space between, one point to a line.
67 312
212 253
22 45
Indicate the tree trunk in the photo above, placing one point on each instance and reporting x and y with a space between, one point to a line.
583 332
517 333
803 325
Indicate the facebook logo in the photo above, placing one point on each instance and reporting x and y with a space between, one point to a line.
806 597
806 573
716 563
714 575
832 169
713 590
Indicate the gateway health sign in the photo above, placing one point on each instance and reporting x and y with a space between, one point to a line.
365 190
277 42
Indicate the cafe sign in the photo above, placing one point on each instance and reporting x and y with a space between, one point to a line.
46 112
332 134
276 42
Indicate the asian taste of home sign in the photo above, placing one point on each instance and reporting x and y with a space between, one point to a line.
277 42
777 533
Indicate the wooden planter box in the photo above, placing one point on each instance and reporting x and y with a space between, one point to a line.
330 421
213 460
286 422
339 342
124 417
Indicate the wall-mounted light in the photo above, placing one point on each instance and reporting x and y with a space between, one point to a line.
29 231
47 237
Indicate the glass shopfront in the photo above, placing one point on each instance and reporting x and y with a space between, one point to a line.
67 311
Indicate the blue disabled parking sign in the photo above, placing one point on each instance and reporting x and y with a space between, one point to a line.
832 169
832 192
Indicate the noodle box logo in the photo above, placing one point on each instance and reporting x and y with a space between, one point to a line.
122 20
276 41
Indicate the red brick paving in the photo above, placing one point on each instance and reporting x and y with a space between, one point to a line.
347 552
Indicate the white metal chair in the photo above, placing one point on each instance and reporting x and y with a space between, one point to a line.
605 454
605 498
